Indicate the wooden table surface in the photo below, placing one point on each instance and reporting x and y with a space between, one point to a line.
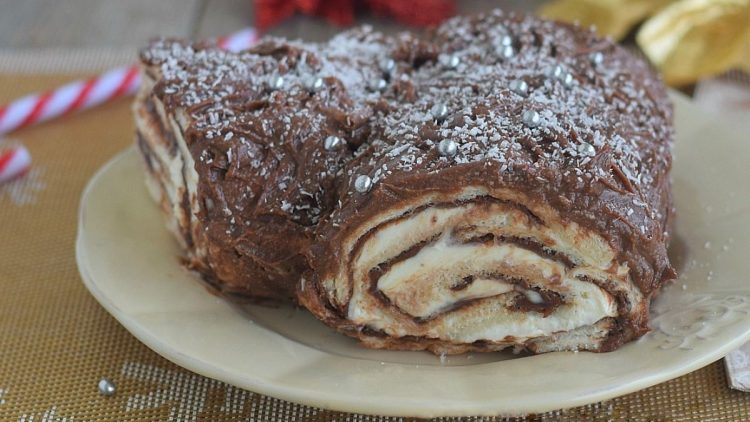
31 24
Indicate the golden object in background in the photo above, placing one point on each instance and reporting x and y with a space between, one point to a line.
686 39
613 18
693 39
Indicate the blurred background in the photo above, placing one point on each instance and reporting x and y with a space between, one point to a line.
130 23
688 40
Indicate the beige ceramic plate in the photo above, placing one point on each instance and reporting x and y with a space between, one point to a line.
129 263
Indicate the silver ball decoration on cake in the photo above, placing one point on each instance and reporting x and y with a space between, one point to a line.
596 58
585 148
447 148
387 65
449 61
555 72
377 85
505 51
505 39
439 112
209 203
332 142
559 73
503 44
362 183
314 84
276 82
531 118
567 80
106 387
519 86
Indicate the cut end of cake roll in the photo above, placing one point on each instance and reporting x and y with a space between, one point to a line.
479 269
515 203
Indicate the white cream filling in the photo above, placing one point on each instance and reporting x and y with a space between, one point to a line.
169 171
420 285
173 182
339 291
585 305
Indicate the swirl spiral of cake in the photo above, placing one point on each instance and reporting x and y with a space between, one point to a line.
498 181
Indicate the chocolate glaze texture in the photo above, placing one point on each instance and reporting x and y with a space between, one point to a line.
591 140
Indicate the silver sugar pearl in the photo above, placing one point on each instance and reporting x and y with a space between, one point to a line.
596 58
506 39
332 143
567 80
314 84
439 112
505 51
555 72
387 65
363 183
519 86
449 61
447 148
585 148
106 387
277 82
377 85
531 118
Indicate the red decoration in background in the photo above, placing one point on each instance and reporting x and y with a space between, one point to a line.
271 12
416 12
341 12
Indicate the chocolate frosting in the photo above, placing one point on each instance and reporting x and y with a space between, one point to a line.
590 136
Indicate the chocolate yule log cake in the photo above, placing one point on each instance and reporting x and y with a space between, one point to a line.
498 181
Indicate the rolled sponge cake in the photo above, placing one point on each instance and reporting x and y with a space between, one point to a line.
498 181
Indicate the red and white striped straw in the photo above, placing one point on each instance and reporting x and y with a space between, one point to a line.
14 162
80 95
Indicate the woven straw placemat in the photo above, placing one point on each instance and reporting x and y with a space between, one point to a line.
56 342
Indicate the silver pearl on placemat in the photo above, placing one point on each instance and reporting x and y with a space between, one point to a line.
276 82
314 84
332 143
586 149
106 387
505 51
555 72
377 85
449 61
531 118
362 183
596 58
439 112
519 86
387 66
447 148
